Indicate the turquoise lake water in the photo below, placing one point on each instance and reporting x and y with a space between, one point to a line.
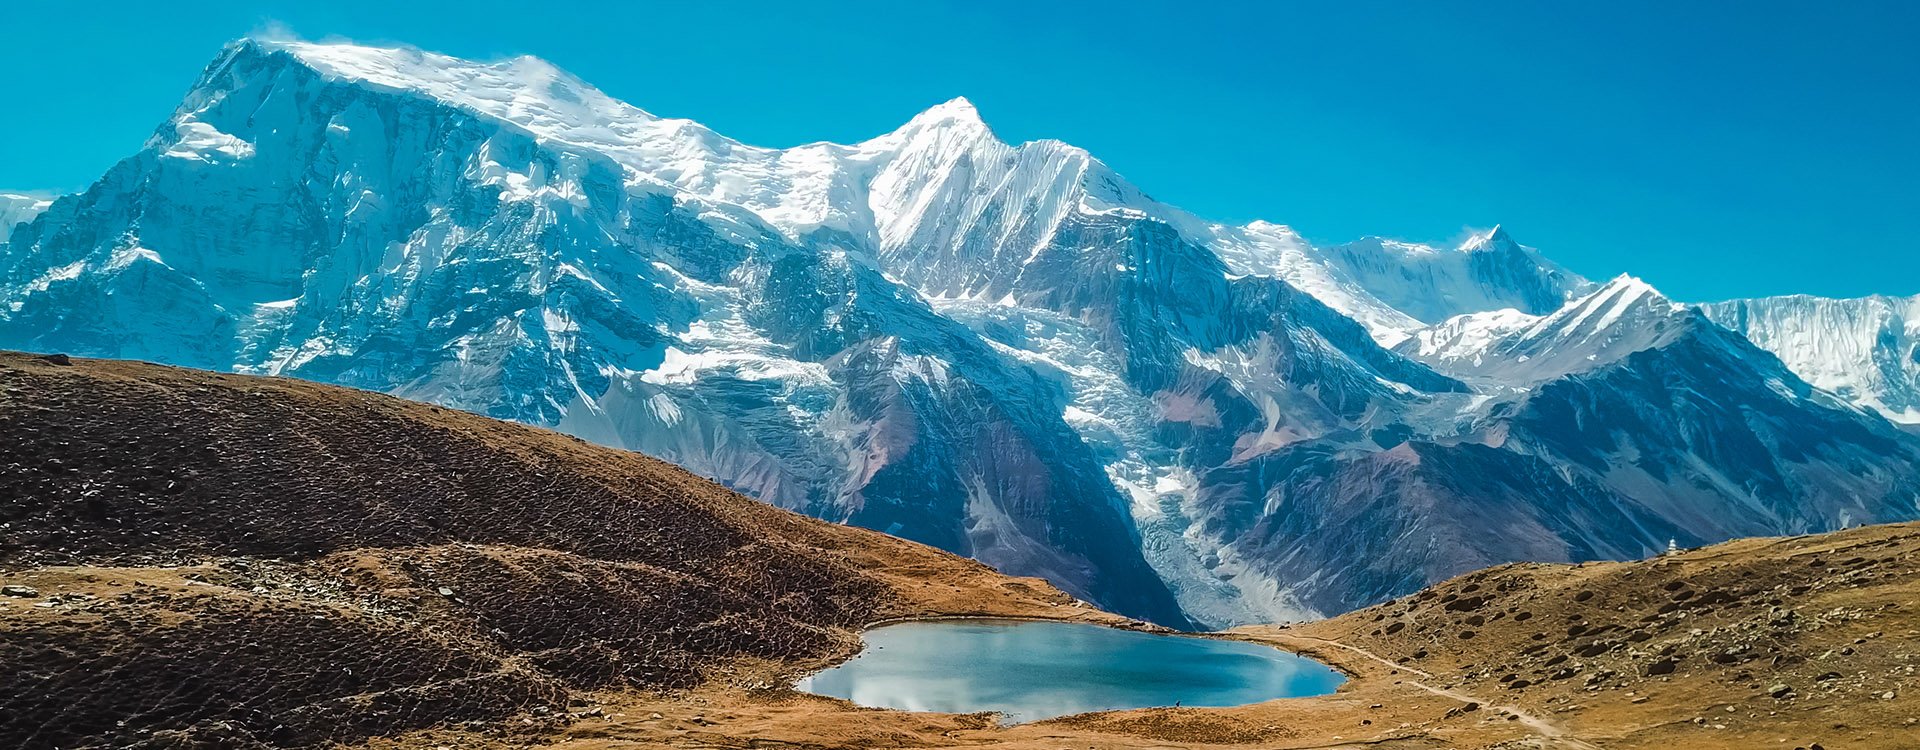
1037 670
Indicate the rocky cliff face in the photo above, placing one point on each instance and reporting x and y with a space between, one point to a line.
1006 351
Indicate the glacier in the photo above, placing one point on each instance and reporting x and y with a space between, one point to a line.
1003 350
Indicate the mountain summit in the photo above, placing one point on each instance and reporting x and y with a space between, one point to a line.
1006 351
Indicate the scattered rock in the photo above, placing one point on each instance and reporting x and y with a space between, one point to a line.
1466 604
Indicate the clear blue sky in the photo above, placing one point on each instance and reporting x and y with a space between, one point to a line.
1717 149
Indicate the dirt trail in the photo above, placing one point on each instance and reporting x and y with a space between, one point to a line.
1542 726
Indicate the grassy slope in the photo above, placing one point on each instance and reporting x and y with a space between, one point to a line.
220 560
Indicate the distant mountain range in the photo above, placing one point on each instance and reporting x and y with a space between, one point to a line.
1009 352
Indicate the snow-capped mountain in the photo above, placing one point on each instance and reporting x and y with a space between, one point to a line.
1425 285
1008 351
1598 429
1866 349
1509 347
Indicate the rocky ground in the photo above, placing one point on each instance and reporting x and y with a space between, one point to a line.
205 560
1797 642
1779 642
202 560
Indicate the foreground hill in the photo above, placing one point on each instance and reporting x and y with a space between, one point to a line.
195 559
1773 642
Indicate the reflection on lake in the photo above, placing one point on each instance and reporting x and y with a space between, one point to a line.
1039 670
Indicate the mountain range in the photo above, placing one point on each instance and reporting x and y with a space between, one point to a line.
1005 351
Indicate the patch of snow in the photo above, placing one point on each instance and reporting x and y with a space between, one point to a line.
202 142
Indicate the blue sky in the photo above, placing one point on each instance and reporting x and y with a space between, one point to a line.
1717 149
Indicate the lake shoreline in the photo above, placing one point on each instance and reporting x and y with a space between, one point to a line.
1031 669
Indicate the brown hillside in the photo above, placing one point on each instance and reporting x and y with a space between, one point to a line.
220 560
1777 642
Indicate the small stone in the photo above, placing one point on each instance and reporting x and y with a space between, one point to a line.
20 591
1779 690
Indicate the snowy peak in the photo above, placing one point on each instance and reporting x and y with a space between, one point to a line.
1496 238
525 90
1396 288
1623 316
957 112
1607 305
954 123
940 200
1598 319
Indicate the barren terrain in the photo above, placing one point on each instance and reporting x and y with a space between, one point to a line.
202 560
